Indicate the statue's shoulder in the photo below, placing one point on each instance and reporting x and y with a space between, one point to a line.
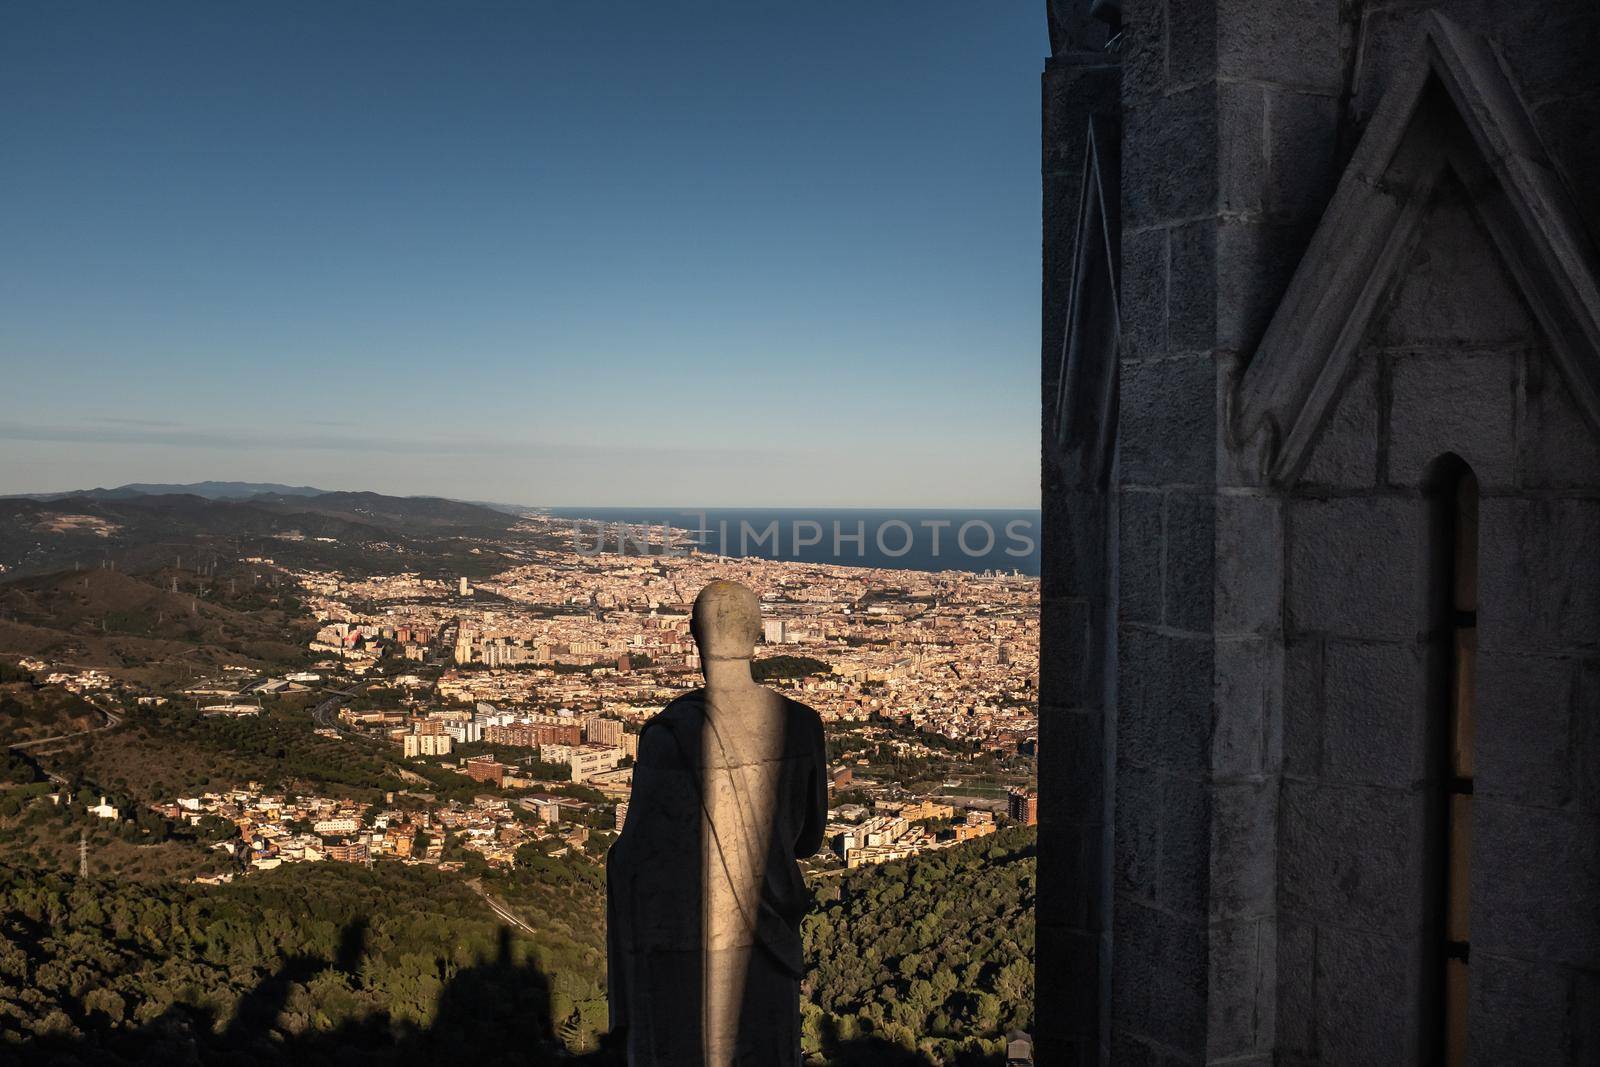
685 710
803 718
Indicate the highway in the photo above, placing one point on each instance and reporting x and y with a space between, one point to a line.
501 911
112 721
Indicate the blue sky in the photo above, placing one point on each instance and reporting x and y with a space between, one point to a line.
569 253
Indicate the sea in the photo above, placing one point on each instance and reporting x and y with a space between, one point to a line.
923 539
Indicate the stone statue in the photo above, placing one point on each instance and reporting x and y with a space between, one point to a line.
704 895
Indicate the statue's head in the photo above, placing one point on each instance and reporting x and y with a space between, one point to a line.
726 621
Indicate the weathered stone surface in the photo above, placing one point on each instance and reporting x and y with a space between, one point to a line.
1296 964
1367 1009
1183 871
1241 147
1535 883
1067 871
1560 448
1352 856
1069 962
1249 564
1159 975
1242 1009
1302 707
1302 139
1255 259
1539 574
1191 41
1586 737
1144 294
1163 178
1244 845
1290 42
1168 421
1079 775
1140 794
1523 726
1141 547
1192 288
1519 1012
1247 708
1345 453
1455 289
1190 559
1071 676
1465 404
1375 712
1164 695
1356 567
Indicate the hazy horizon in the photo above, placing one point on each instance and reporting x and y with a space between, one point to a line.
601 253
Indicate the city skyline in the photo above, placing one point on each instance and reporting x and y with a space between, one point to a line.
589 256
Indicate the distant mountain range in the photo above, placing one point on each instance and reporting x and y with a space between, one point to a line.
207 490
136 527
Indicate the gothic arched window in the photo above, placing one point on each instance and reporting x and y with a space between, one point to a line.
1455 635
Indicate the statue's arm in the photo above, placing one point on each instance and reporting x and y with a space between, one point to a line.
816 823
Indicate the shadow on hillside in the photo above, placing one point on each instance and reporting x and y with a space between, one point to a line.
492 1014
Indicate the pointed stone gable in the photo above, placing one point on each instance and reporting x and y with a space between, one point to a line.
1086 402
1451 139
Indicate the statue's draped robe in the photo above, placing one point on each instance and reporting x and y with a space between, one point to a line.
704 895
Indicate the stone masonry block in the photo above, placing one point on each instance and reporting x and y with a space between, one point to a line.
1241 147
1159 976
1244 842
1243 1003
1352 856
1144 50
1069 665
1255 260
1345 452
1453 403
1190 561
1356 567
1535 883
1560 447
1076 775
1302 139
1539 574
1069 875
1249 565
1143 299
1164 701
1136 844
1141 548
1192 287
1290 42
1302 707
1168 422
1519 1012
1247 708
1586 737
1296 963
1374 714
1184 866
1455 289
1367 997
1168 173
1523 727
1191 41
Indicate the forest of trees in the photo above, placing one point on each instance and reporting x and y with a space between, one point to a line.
316 962
926 961
933 954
